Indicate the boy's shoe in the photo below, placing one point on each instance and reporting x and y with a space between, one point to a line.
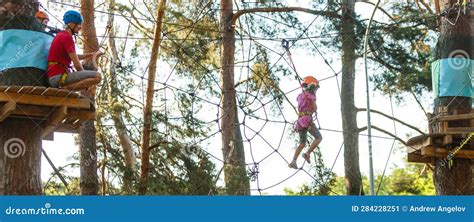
306 157
293 165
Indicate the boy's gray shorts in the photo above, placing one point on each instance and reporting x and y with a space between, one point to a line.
72 77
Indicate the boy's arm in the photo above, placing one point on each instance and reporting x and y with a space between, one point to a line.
75 60
85 56
89 55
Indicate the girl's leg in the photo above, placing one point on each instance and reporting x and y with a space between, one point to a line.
303 137
317 140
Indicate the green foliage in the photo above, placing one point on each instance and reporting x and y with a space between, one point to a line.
401 181
403 48
404 181
399 42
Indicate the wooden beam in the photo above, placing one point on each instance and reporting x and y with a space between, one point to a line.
80 103
454 117
7 109
34 111
418 142
68 128
442 152
418 158
45 111
460 130
81 114
55 120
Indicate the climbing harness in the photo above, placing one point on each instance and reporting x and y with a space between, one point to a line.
63 77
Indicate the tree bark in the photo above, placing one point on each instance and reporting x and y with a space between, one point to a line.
348 109
147 112
116 111
458 179
87 133
235 175
20 139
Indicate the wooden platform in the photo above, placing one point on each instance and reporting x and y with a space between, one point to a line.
64 110
442 139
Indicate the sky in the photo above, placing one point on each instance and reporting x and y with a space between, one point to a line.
274 170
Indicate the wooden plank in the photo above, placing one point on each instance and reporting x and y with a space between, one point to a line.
45 100
416 143
60 93
55 120
68 128
13 89
454 117
460 130
442 152
36 90
7 109
34 111
83 115
418 158
447 139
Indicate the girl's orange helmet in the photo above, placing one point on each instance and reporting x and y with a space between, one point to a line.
309 80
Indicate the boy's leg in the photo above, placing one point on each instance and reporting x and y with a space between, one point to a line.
81 85
82 80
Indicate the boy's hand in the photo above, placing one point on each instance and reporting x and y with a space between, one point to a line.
98 53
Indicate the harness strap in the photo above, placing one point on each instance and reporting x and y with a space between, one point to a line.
63 77
300 114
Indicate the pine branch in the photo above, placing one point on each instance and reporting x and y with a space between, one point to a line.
287 9
385 132
392 118
379 8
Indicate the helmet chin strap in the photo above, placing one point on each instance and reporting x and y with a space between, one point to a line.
72 29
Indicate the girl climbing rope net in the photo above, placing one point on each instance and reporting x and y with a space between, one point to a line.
306 108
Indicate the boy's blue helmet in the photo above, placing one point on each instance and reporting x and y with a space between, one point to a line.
72 16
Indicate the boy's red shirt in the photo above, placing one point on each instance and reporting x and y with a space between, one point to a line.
62 44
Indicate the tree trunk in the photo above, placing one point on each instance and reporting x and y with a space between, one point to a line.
147 113
236 179
88 150
244 185
458 37
348 109
116 112
20 139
